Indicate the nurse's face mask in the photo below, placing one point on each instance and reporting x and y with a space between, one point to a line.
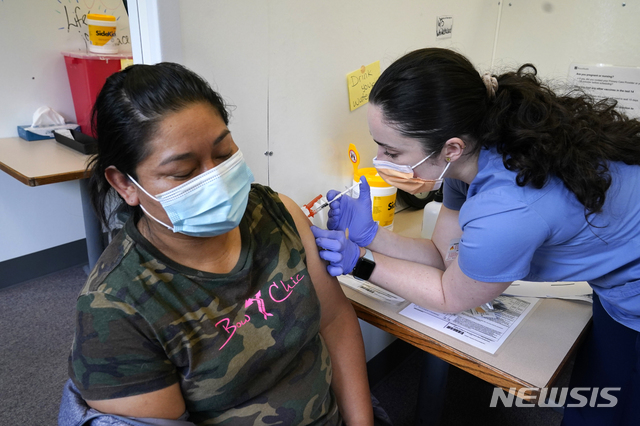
403 177
211 203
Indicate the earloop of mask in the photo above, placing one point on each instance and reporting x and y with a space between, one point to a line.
145 210
157 220
423 160
445 170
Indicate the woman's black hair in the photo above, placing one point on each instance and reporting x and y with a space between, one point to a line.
435 94
126 115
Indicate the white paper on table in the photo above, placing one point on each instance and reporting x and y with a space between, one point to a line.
483 331
371 290
571 290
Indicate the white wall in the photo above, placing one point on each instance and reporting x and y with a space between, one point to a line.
554 34
34 219
33 74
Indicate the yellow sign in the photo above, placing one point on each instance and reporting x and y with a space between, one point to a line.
125 63
360 83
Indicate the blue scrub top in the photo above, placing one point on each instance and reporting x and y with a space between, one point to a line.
522 233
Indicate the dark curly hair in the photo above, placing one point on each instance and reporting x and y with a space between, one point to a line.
435 94
126 114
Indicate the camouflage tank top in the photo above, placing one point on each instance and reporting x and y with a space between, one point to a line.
244 346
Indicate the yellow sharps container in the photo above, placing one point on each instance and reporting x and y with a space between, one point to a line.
383 195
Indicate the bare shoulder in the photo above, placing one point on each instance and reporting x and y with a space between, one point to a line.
302 222
294 209
304 230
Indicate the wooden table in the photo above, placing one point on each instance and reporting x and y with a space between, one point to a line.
46 162
533 356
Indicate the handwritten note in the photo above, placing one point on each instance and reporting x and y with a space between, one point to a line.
73 20
360 83
444 27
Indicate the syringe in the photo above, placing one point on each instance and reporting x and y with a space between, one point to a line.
317 209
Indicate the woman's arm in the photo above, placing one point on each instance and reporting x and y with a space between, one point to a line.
449 291
434 282
340 329
422 263
427 252
166 403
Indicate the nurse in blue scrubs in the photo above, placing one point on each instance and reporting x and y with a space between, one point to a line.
537 186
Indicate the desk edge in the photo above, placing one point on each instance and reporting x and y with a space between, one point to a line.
45 179
16 175
448 354
64 177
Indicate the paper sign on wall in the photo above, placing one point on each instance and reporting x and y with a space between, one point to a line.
603 81
125 63
444 27
360 83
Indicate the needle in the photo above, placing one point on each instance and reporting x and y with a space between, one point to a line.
335 198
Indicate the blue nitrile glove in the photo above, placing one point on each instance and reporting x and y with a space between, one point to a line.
353 214
341 253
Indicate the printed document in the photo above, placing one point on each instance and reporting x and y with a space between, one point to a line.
484 329
606 81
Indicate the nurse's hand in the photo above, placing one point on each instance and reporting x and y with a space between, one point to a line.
353 214
341 253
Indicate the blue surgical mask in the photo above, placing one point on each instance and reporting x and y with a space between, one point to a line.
211 203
